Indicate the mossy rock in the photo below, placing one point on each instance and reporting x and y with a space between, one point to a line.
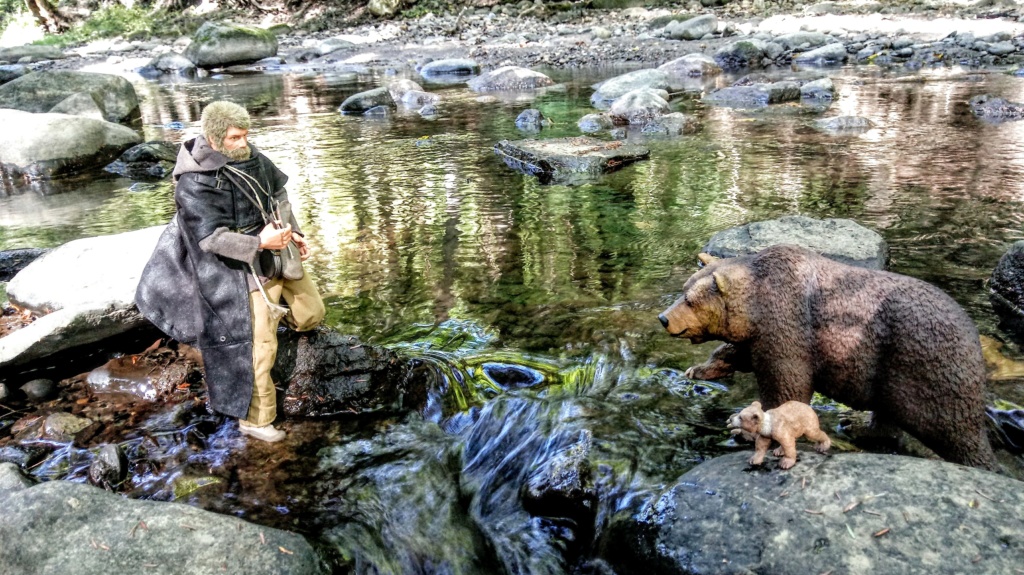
225 43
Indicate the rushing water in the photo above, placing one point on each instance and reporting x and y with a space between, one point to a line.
533 306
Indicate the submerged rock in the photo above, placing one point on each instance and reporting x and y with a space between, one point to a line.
845 124
592 123
823 89
990 107
362 102
568 160
510 78
149 160
531 120
755 95
674 124
881 513
692 66
839 239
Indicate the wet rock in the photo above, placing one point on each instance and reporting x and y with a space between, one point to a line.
363 101
839 239
639 106
1001 48
13 455
378 112
531 120
428 111
1009 424
564 480
1007 288
399 88
605 93
692 29
755 95
823 89
169 63
439 69
331 45
63 426
52 146
41 91
992 108
154 375
568 160
674 124
327 374
11 478
12 71
225 43
747 53
417 100
691 66
110 467
97 530
592 123
845 124
80 104
507 376
826 55
39 390
149 160
510 78
13 261
896 514
86 295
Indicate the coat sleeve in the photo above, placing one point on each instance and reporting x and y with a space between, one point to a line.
208 215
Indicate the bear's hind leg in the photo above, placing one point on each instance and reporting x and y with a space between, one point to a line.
820 438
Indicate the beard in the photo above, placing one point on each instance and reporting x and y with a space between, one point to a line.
238 154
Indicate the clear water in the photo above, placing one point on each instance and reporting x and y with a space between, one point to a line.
425 241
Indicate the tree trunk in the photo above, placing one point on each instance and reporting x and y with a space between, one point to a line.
47 16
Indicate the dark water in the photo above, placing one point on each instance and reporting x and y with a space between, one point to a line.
535 306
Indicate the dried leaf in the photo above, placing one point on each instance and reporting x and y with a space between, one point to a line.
851 507
880 533
263 540
813 512
283 550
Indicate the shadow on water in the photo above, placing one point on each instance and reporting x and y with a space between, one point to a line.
553 398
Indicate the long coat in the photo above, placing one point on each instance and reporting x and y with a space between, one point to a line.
201 297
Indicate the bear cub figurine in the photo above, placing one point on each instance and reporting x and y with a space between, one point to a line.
785 424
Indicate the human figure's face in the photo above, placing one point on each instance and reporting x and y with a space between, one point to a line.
235 144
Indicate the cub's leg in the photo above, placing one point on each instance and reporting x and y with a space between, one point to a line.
727 359
760 449
820 438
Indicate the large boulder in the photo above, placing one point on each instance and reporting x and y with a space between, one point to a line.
31 52
850 513
568 160
365 101
691 66
692 29
509 78
57 145
100 531
87 289
839 239
41 91
225 43
612 89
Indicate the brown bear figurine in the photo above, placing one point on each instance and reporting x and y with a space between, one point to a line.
785 424
873 340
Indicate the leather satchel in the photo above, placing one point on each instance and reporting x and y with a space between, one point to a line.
285 263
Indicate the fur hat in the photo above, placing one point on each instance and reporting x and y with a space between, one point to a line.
218 116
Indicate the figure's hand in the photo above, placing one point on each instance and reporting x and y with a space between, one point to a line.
304 250
272 238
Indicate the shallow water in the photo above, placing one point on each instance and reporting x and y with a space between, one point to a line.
533 307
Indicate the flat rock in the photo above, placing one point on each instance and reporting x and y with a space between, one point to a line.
100 532
839 239
849 513
41 91
568 160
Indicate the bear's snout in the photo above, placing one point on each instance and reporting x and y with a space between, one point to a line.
663 320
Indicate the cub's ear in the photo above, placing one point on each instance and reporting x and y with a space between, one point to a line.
705 259
756 405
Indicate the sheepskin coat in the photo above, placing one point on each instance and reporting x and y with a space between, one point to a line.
196 285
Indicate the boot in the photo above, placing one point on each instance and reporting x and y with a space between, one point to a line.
266 433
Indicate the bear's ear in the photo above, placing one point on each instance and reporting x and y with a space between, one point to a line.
756 405
705 259
721 282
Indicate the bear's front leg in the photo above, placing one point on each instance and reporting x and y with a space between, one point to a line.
727 359
760 449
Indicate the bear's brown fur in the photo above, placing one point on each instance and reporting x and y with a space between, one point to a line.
785 424
873 340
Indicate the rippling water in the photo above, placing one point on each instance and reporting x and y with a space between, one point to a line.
534 307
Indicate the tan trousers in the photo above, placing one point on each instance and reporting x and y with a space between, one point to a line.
306 311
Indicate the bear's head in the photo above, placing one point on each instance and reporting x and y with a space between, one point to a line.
748 420
713 305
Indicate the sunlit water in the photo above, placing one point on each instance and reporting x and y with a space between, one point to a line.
534 307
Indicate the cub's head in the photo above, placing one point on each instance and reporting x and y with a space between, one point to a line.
708 308
748 420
